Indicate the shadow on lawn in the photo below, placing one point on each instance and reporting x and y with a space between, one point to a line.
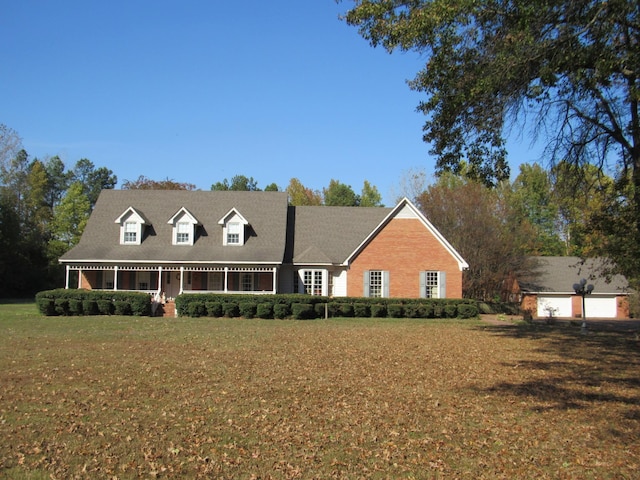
576 370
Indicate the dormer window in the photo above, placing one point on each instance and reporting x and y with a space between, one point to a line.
234 226
131 226
233 233
130 232
183 233
184 227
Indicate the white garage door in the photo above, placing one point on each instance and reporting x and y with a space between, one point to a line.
559 305
601 307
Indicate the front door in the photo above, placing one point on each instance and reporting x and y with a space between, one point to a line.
171 284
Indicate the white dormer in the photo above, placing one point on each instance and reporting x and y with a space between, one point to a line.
233 228
131 226
184 227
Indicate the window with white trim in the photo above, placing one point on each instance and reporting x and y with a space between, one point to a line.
183 233
313 282
432 284
233 233
131 224
131 232
376 283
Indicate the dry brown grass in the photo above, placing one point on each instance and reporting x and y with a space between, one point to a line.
138 398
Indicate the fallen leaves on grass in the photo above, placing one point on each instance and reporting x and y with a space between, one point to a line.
352 399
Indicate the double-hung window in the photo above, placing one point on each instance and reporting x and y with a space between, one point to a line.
432 284
183 233
233 233
376 283
130 232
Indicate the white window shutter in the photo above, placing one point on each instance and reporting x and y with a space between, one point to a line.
442 284
365 288
423 284
385 284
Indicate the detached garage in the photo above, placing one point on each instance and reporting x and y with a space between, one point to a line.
549 291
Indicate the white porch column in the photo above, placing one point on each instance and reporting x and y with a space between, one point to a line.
79 278
226 279
159 279
275 279
66 277
181 279
115 278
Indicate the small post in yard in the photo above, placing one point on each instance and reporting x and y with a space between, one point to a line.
583 290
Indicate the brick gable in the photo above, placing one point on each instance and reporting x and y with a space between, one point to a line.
404 247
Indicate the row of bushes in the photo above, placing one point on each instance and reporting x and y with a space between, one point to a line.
309 307
93 302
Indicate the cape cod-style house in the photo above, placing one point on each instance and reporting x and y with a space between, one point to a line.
171 242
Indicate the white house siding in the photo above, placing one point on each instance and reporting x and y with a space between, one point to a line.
558 305
339 283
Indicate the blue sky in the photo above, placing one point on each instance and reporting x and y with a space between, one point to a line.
199 91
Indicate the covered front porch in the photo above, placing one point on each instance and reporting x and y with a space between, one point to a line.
169 281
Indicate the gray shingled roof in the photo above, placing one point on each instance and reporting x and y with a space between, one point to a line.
558 274
266 213
328 235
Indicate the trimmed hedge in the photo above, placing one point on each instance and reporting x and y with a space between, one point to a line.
283 306
93 302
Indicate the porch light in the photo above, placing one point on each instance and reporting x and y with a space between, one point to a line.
583 290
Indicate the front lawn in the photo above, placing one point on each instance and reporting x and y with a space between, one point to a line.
130 397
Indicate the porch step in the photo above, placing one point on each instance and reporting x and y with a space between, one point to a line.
167 310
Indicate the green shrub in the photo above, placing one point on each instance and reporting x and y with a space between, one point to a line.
196 309
90 307
140 305
46 306
61 306
346 310
75 306
281 310
303 311
378 310
247 309
214 309
466 310
426 310
265 310
412 310
230 309
321 310
105 307
361 310
395 310
122 307
451 310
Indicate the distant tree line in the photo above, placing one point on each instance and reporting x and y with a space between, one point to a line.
497 228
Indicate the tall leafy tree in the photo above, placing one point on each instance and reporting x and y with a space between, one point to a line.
58 180
70 218
487 232
370 196
582 193
300 195
340 194
239 183
93 179
573 67
531 196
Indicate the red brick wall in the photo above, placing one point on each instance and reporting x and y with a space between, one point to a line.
87 279
404 248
